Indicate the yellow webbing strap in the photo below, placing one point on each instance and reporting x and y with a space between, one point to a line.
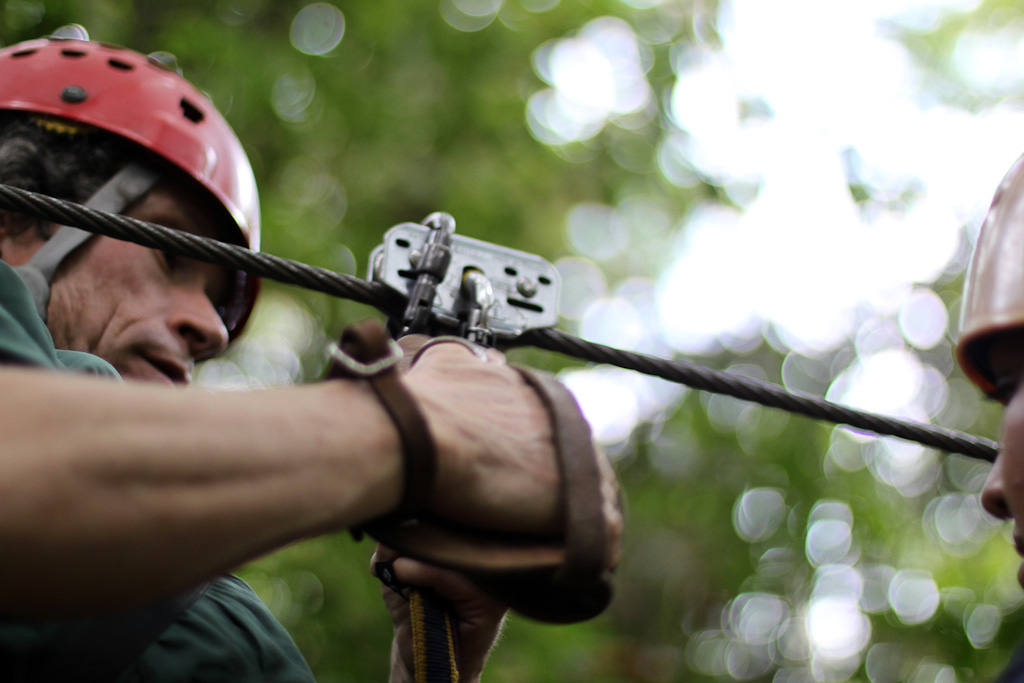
434 646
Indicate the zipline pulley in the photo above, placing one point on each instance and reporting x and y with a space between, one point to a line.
457 285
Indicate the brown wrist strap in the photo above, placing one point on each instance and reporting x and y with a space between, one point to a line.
366 352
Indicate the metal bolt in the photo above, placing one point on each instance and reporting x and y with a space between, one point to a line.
526 287
414 257
74 94
439 220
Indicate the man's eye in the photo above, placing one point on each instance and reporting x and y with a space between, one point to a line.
175 263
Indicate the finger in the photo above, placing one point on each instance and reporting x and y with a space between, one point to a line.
450 584
381 554
416 573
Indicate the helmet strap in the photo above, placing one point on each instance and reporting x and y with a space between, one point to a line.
122 190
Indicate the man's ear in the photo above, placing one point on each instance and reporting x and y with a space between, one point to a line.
20 238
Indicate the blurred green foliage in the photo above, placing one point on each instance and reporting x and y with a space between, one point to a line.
409 115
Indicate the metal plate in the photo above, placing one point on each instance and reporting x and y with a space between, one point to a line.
526 287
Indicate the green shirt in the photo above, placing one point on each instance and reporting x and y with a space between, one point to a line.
227 634
24 339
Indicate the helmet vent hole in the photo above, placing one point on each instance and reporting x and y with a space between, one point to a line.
23 53
118 64
191 111
72 53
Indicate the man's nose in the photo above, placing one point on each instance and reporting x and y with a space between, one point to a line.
195 320
993 496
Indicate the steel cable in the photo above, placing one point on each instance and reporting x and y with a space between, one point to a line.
201 248
392 303
764 393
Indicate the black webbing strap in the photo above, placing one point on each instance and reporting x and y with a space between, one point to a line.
102 648
434 638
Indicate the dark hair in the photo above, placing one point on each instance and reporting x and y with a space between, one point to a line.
42 156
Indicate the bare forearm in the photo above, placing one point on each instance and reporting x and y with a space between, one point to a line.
117 493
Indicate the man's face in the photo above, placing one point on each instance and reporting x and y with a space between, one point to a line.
147 313
1003 495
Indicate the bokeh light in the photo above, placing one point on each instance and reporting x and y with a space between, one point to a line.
754 617
874 596
597 231
958 523
470 15
982 625
611 410
317 29
582 283
923 319
292 96
884 663
836 628
594 76
913 595
758 513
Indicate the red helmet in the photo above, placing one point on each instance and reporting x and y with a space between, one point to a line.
139 98
993 301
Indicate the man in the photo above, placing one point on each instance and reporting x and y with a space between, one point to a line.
114 496
991 352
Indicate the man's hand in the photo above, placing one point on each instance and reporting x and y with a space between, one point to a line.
496 462
478 618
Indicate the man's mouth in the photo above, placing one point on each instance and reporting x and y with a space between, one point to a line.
174 370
